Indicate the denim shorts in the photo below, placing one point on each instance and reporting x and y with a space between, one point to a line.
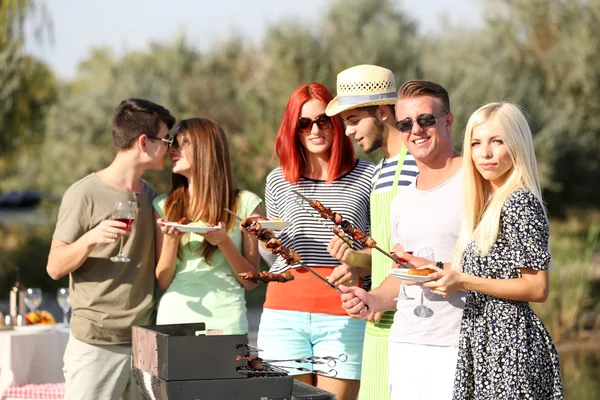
294 334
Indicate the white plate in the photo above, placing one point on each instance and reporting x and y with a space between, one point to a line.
402 273
192 228
34 327
274 224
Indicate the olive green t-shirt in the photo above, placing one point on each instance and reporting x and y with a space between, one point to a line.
107 298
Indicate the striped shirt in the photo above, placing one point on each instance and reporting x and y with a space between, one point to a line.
309 234
385 181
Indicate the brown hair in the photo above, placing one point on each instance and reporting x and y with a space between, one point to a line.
417 88
134 117
214 188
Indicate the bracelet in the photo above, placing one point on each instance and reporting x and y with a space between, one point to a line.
439 264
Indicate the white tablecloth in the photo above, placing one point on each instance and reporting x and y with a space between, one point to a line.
32 354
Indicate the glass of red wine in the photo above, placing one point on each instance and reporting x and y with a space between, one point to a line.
124 211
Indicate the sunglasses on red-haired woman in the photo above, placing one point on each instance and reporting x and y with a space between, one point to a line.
305 124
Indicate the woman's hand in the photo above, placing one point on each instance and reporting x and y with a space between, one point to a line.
340 250
445 282
216 238
344 275
168 230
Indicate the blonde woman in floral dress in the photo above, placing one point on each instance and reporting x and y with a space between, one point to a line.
502 262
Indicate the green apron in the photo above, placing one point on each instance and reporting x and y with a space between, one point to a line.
374 372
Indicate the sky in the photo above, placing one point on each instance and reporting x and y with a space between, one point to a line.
124 25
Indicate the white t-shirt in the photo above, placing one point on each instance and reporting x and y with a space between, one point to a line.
428 218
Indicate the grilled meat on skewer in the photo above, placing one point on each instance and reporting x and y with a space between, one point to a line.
266 277
273 244
248 221
254 363
290 256
264 235
346 226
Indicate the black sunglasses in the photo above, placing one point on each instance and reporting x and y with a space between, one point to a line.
167 140
305 124
424 121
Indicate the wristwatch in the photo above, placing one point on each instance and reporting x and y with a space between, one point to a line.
439 264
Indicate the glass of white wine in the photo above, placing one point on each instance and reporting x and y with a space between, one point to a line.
64 302
33 298
422 311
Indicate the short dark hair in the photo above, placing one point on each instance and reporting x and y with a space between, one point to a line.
417 88
134 117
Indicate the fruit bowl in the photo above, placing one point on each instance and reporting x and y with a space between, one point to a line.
39 317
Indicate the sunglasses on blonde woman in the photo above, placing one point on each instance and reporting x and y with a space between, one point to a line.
305 124
424 121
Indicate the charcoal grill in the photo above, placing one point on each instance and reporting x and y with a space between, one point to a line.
185 362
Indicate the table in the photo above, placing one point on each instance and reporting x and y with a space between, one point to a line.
32 354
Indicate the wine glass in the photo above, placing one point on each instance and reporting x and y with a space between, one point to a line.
422 311
124 211
64 302
33 298
402 294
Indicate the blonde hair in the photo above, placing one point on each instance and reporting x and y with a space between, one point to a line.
481 207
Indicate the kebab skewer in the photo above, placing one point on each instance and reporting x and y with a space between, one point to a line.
274 244
347 227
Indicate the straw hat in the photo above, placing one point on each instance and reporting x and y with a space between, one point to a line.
361 86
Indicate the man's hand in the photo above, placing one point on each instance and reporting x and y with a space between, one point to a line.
356 302
106 232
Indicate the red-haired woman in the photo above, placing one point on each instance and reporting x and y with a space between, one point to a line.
304 317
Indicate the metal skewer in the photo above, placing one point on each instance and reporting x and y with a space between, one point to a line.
330 363
299 261
346 239
395 260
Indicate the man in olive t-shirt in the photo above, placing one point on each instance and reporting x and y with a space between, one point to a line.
109 297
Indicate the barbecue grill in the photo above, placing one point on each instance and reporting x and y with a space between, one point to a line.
186 362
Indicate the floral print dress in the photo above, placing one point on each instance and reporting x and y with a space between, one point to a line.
504 350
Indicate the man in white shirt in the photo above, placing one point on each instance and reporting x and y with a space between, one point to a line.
425 214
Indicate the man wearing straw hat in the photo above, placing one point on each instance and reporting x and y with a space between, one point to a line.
366 95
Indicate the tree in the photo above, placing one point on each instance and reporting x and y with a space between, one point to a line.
27 86
543 56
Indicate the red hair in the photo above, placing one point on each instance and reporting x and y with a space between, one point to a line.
288 147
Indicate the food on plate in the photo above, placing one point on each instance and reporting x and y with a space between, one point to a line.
420 272
41 317
184 221
266 277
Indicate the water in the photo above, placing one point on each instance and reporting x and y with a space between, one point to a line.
581 373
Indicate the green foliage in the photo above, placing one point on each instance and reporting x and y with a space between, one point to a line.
572 304
541 54
26 85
